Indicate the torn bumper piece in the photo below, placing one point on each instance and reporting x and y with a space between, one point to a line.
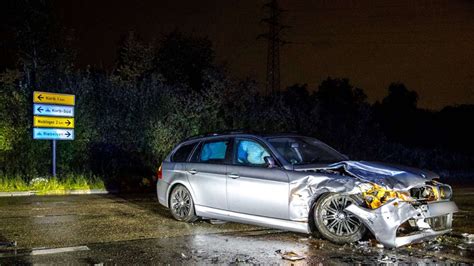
385 221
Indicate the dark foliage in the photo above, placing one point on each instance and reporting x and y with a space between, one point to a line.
157 95
184 59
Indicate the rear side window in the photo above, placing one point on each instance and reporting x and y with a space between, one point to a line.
214 151
182 154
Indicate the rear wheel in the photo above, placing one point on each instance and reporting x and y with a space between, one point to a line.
335 224
182 205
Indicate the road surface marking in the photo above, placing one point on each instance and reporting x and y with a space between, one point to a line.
58 250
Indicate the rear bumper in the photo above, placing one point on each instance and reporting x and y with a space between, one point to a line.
429 220
161 192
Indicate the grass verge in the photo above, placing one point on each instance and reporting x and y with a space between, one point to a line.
51 185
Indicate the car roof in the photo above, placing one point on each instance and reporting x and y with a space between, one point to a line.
241 133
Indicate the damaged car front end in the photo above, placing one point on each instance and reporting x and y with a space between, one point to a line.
398 205
300 184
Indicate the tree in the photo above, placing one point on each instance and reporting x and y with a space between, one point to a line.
400 98
339 105
183 59
300 103
339 96
398 113
135 59
44 48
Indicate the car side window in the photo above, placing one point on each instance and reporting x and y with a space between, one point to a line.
290 154
182 154
249 152
214 151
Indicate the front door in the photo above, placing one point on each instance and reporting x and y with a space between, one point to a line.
252 187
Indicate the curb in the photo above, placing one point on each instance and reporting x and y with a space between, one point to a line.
62 192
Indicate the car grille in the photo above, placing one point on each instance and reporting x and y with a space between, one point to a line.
439 223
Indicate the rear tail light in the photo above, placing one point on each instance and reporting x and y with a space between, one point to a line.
159 174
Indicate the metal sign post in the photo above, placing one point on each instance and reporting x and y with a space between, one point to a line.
53 119
54 158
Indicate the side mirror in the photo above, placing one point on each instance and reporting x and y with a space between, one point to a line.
270 161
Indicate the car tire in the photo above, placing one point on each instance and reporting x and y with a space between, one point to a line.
182 204
335 224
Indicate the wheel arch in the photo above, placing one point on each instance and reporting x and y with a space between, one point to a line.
175 184
314 199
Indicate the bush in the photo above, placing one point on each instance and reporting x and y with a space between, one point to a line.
44 185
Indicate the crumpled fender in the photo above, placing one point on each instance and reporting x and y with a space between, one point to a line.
304 190
396 177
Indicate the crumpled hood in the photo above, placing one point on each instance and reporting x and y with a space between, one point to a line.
393 176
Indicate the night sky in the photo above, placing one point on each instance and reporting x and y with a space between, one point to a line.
426 44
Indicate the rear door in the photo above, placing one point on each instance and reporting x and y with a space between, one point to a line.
252 187
207 172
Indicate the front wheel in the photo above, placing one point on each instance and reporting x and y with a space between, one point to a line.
182 205
333 222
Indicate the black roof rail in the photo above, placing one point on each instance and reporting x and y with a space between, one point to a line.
242 131
222 132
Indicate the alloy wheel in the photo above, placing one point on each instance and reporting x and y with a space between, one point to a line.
336 219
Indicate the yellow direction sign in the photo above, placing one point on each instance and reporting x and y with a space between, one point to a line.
54 98
57 122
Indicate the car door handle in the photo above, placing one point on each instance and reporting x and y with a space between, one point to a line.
193 171
234 176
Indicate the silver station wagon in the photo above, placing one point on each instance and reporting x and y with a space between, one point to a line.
300 184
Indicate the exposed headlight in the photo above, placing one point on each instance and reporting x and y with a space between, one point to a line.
377 196
431 192
445 192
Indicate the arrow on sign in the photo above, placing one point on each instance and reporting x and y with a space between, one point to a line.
40 97
68 134
40 109
68 122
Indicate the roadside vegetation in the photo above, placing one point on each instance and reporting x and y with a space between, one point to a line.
46 185
158 93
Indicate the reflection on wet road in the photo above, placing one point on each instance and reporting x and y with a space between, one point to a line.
135 229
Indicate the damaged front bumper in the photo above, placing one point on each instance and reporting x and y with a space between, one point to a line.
425 220
400 205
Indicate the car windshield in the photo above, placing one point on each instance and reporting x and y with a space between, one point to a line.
304 150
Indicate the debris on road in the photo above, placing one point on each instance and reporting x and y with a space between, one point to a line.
467 242
468 238
243 258
217 222
290 255
371 243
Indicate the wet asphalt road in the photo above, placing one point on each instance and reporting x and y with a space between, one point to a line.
114 229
